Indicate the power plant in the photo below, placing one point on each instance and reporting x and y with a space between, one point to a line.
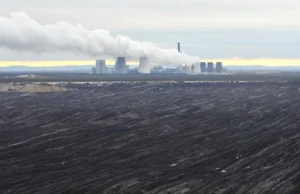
146 67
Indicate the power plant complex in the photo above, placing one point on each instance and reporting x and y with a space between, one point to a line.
146 67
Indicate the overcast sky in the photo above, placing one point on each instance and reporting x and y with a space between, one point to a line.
206 28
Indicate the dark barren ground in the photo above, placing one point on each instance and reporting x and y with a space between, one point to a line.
152 138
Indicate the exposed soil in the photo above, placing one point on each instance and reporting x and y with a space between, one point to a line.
30 88
152 138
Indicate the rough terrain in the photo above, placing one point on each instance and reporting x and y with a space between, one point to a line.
30 88
152 138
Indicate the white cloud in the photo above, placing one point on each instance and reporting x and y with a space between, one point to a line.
265 28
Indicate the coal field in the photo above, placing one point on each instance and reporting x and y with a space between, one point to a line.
152 138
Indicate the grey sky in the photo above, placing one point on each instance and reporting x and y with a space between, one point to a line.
206 28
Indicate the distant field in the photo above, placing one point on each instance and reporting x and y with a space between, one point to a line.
162 77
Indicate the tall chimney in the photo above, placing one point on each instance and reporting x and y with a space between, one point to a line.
178 47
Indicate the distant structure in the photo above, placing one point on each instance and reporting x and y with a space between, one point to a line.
144 65
178 47
196 68
101 67
187 69
157 69
171 70
179 68
210 67
203 67
121 67
219 67
93 71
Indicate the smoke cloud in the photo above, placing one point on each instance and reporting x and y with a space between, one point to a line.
21 32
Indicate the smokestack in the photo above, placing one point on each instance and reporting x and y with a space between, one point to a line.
178 47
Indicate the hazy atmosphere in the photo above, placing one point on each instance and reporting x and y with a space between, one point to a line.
150 97
207 28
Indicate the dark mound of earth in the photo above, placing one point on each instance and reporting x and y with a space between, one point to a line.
152 138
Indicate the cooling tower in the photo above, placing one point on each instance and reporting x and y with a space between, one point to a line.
144 65
210 67
121 67
219 67
203 67
101 67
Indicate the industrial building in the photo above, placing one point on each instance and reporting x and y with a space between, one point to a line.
219 67
186 69
121 67
93 70
101 67
170 71
210 67
196 68
157 69
144 65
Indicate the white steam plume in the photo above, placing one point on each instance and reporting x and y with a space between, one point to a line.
21 32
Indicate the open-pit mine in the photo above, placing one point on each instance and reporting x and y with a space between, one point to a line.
177 137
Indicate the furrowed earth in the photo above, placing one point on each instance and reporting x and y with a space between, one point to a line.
210 138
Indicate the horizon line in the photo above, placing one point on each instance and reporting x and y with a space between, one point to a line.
235 61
